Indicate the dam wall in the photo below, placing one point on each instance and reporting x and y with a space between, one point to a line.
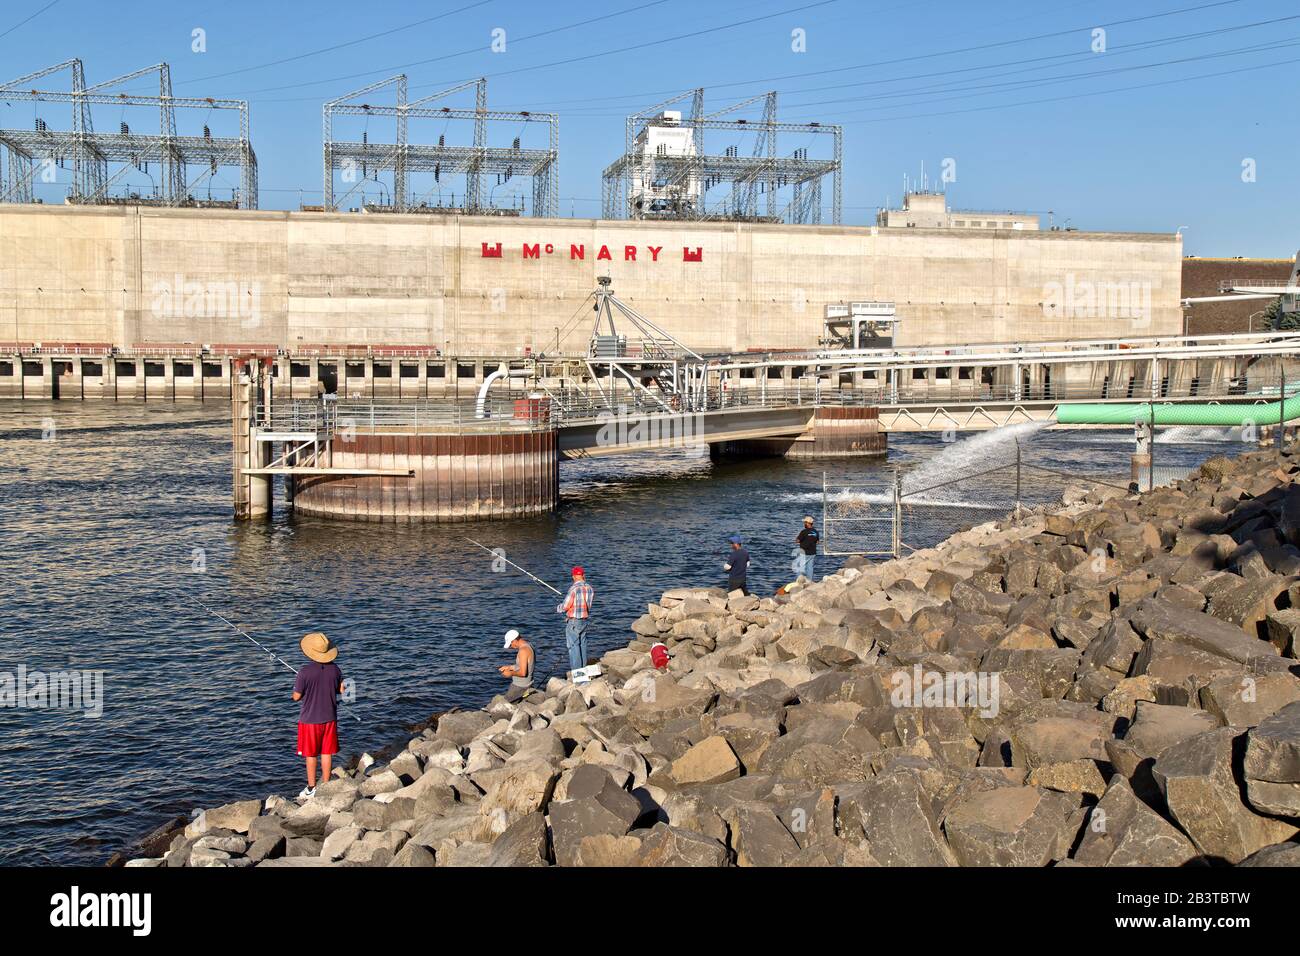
306 282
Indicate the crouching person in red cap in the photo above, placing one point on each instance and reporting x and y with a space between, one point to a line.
318 685
577 608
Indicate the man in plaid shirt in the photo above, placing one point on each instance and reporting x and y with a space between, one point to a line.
577 608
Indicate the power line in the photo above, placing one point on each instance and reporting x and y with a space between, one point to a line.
446 56
564 62
29 19
1045 61
1075 96
338 46
1049 80
907 59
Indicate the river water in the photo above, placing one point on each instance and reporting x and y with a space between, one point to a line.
116 521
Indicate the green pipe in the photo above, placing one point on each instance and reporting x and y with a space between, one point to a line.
1130 413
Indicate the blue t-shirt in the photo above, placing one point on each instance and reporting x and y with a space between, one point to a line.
739 561
319 685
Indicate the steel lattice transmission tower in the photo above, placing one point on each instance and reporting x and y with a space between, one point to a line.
359 162
99 161
666 172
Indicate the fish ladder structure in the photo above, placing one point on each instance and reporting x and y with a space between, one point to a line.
499 457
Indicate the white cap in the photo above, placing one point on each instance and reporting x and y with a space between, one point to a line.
511 635
808 519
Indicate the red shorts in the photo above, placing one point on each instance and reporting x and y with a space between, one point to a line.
317 739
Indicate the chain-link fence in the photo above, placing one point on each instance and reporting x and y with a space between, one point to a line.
893 515
860 519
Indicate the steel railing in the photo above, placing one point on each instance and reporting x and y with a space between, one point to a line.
557 406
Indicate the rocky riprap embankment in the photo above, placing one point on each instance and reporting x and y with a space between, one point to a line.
1148 712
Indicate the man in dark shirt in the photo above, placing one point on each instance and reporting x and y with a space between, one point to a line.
317 686
807 539
737 565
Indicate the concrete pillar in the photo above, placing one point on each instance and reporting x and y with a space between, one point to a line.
11 382
252 493
109 379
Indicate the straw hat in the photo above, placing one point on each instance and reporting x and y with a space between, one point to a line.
318 647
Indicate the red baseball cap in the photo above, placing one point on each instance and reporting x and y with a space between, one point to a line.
577 571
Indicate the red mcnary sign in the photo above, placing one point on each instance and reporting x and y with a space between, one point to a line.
537 250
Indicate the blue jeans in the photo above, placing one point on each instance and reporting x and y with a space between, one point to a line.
575 636
804 565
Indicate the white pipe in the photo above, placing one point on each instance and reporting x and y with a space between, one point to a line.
480 406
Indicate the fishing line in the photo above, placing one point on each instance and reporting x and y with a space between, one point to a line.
274 656
498 554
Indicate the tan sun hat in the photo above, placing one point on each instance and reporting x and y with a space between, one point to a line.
318 647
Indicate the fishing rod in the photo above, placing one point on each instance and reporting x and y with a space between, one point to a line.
498 554
240 631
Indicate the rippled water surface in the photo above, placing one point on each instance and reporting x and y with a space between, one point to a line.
117 520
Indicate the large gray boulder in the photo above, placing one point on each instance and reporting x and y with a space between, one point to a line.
1244 700
1123 831
517 788
758 836
1156 618
1056 739
1010 826
524 843
710 761
665 845
596 806
233 816
1272 764
463 726
1159 726
665 700
1281 854
897 817
1196 779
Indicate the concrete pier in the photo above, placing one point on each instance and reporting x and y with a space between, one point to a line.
252 492
454 476
846 431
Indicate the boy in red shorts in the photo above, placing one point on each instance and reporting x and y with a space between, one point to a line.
318 685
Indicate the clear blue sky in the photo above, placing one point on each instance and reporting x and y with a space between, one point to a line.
1012 92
